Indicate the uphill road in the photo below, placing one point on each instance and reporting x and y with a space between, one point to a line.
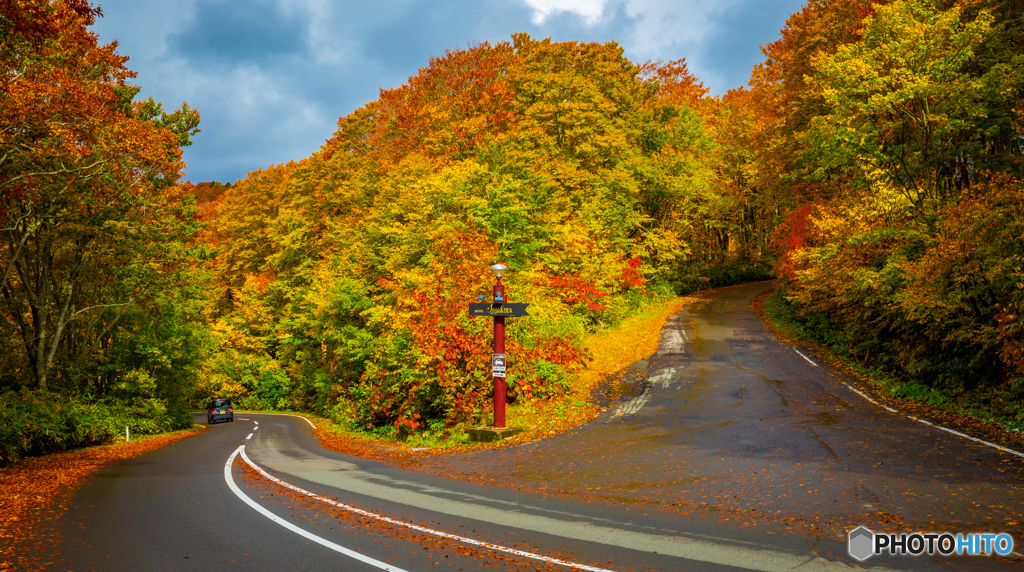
733 452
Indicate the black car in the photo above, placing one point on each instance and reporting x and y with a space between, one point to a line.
219 409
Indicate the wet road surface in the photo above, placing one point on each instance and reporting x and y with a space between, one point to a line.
262 494
732 424
734 454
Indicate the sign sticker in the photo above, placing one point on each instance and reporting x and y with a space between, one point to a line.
497 362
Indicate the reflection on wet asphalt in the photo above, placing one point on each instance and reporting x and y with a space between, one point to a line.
730 420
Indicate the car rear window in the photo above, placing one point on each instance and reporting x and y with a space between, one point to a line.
220 403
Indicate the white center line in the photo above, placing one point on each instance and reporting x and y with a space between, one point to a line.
249 437
321 541
805 357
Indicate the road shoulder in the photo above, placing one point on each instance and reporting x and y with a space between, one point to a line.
35 490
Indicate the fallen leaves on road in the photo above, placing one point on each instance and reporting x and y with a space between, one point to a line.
390 537
34 492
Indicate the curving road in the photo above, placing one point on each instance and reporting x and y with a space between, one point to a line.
735 453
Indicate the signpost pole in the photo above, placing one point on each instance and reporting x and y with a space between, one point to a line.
499 348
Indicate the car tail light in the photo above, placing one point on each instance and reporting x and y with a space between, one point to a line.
230 410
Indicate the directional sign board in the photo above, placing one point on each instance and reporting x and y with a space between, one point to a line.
497 374
497 362
507 310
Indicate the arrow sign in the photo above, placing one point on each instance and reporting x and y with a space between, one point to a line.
507 310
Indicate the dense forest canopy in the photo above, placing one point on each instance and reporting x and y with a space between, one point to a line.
345 277
875 158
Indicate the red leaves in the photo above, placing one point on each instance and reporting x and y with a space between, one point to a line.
573 290
792 235
630 276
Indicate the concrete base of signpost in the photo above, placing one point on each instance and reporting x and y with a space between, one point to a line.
489 434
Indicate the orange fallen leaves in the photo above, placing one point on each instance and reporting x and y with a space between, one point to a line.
35 490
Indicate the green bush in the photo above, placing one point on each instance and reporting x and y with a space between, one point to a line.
35 422
729 271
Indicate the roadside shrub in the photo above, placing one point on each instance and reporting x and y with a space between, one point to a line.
34 422
937 304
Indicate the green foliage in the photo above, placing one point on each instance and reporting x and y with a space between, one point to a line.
102 289
34 422
904 108
346 276
727 271
940 313
899 128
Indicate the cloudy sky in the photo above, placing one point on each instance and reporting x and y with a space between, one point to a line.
272 77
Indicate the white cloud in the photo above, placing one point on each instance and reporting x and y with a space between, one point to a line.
590 10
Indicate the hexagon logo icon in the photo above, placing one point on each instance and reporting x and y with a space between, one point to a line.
861 543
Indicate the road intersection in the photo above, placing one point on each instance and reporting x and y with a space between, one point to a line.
734 453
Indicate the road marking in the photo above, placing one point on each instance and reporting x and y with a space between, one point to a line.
463 539
671 342
633 405
939 427
255 428
663 377
805 357
965 436
249 437
321 541
290 415
865 396
728 552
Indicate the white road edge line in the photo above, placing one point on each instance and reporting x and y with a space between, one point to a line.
290 415
322 541
940 427
805 357
463 539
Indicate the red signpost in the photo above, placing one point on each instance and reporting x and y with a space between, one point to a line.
499 348
499 309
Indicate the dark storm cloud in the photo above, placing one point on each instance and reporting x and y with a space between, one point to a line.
249 32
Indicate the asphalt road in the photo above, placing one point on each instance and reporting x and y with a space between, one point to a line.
736 454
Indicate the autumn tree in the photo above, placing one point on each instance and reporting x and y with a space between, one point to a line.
85 177
345 275
903 111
